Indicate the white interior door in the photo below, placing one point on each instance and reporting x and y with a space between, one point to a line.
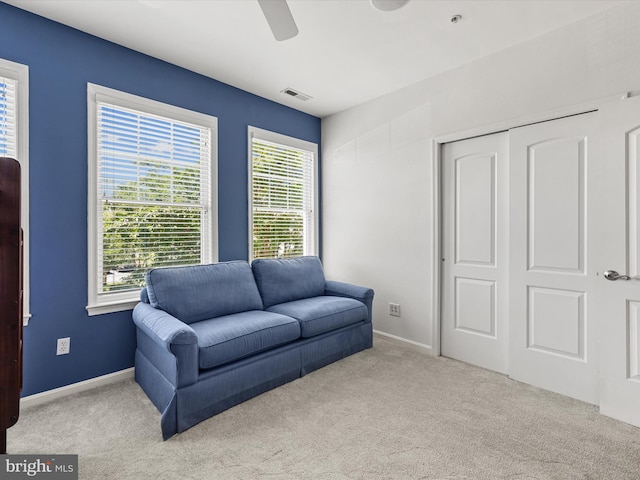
475 251
552 275
619 301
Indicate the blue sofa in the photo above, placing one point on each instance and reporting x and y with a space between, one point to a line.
212 336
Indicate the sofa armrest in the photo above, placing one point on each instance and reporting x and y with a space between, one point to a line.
341 289
171 345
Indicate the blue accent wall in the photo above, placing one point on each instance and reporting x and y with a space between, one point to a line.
61 61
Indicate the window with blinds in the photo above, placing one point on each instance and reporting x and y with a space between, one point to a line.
283 196
152 194
8 123
14 143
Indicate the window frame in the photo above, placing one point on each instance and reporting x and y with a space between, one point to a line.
20 74
108 302
286 141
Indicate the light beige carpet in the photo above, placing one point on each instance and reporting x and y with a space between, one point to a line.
387 413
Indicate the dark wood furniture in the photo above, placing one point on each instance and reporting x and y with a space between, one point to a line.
10 297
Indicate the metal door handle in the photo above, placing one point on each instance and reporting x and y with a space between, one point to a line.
613 275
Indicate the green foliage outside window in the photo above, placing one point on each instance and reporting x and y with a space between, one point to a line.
140 235
278 174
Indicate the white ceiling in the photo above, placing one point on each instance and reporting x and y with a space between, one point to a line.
346 53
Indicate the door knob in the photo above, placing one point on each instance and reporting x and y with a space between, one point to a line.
613 275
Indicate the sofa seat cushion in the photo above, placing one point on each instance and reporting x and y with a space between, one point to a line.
322 314
231 337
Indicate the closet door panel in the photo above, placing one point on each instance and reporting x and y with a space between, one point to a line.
552 234
475 251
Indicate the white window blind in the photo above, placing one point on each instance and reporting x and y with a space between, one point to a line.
153 187
14 143
283 220
8 123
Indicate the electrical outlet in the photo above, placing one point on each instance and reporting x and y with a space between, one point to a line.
64 346
394 309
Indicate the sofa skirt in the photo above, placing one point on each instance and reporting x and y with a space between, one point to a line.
223 387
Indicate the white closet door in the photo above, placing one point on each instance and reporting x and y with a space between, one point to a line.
475 251
619 300
552 275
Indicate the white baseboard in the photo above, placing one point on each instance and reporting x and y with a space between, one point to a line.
56 393
419 346
51 395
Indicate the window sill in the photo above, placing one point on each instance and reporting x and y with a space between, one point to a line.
111 307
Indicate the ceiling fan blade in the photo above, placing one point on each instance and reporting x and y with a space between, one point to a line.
279 18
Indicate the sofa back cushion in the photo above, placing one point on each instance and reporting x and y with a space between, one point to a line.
200 292
288 279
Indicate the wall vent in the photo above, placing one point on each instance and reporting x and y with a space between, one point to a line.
296 94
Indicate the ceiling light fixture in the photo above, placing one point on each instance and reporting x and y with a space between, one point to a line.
388 5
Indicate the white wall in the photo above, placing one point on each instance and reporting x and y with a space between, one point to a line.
377 162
